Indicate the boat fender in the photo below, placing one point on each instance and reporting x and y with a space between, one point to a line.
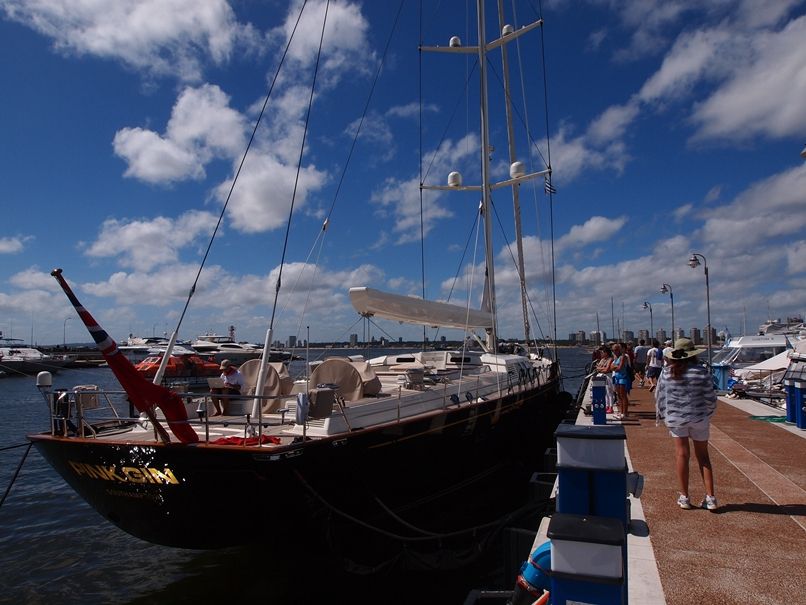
533 578
302 408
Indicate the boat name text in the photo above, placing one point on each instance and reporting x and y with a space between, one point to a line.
125 474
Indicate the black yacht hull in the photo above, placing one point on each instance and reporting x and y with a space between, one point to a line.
387 479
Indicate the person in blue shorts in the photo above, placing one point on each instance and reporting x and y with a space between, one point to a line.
622 380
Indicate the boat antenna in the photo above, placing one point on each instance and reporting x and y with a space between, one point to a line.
261 380
171 342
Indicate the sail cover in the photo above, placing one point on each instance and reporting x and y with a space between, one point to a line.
416 310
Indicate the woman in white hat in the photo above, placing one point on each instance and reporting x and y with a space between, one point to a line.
685 400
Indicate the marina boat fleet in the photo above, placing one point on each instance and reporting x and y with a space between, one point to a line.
16 359
754 366
408 451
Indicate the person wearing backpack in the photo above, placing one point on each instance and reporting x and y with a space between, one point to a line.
654 364
640 361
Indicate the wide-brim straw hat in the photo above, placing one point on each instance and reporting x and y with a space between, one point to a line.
683 349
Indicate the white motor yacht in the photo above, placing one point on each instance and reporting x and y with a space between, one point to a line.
18 360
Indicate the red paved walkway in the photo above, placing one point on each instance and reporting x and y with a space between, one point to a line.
753 548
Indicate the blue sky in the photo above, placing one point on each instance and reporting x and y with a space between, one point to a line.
675 126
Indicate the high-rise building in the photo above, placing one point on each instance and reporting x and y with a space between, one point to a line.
581 339
678 333
353 340
644 335
660 335
598 337
292 341
696 336
628 335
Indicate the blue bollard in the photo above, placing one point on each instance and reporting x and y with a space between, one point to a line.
588 557
599 399
800 404
791 401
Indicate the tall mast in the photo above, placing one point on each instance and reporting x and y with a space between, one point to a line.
516 176
516 204
492 339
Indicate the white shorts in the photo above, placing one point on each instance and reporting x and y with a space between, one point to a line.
698 431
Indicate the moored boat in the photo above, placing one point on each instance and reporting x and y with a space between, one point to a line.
744 351
19 360
219 348
428 447
186 369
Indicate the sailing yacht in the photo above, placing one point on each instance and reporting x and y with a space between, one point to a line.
419 448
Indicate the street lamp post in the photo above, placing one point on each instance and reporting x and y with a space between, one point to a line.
667 289
64 332
694 262
651 324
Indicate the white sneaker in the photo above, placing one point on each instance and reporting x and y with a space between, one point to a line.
709 502
683 502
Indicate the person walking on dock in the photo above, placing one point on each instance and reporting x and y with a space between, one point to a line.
654 365
685 400
640 353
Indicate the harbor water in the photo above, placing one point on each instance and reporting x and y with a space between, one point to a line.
55 548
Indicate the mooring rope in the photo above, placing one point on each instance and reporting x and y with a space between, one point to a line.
17 472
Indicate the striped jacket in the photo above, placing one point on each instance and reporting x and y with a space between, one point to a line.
683 401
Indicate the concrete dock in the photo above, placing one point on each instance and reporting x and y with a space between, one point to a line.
752 549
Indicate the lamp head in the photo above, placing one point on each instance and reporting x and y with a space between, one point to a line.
664 289
693 261
646 305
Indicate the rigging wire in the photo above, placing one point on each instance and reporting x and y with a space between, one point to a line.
512 256
473 229
444 134
381 63
16 472
420 138
549 189
426 536
240 167
354 142
299 167
546 160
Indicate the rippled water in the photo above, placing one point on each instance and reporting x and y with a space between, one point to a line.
55 548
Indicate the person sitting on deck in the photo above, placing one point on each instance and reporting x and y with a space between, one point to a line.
233 382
